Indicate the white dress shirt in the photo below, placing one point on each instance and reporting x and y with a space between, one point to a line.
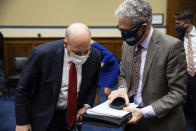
193 42
148 110
62 99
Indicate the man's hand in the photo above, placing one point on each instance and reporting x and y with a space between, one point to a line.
23 128
107 91
81 111
121 92
137 114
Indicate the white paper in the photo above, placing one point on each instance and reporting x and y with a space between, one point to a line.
106 110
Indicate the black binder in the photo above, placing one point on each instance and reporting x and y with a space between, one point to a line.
106 121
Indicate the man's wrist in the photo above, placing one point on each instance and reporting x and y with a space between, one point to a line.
87 106
148 111
123 87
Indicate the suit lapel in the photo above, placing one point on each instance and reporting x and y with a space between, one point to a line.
84 73
86 68
152 49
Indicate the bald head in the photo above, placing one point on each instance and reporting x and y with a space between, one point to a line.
77 37
76 30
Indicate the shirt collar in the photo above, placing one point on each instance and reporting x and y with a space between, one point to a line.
193 31
146 42
66 56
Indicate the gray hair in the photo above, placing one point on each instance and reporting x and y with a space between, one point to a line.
138 10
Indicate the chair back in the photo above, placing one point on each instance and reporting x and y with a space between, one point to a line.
18 63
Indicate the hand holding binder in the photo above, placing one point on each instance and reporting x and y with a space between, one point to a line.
104 115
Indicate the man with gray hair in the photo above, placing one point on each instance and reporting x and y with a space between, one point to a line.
152 71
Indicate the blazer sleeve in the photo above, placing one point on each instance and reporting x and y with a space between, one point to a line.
122 75
25 89
176 81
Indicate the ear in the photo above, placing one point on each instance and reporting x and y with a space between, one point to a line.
188 21
65 43
144 26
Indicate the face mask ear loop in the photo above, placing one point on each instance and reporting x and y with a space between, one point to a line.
184 23
142 32
142 35
139 26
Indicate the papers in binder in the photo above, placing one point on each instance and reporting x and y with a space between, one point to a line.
105 110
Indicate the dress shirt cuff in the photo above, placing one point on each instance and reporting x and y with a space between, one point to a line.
123 87
148 111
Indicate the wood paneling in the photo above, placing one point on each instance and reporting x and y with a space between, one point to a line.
22 47
172 8
114 45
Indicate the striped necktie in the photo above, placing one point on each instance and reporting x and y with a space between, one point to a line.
135 73
190 62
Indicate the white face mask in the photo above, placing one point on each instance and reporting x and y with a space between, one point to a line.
78 59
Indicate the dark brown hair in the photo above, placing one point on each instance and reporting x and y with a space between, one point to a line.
184 15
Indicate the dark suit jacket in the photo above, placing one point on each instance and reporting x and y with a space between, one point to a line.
38 89
189 105
1 47
163 83
180 36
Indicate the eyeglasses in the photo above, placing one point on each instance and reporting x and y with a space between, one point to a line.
135 27
183 22
126 30
131 29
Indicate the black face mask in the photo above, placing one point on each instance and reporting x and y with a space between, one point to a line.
131 37
181 28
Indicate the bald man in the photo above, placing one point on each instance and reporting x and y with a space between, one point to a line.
44 90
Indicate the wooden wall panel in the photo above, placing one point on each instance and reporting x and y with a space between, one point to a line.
22 47
114 45
172 8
